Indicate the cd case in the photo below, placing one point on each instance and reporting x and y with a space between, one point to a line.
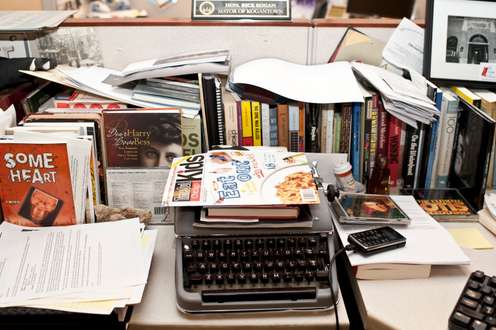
368 209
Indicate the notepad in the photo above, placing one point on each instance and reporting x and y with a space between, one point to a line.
470 237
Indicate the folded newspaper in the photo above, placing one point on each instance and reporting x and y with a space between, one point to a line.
232 177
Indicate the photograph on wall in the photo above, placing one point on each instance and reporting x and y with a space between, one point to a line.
460 44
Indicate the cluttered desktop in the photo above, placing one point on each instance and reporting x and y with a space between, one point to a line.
219 188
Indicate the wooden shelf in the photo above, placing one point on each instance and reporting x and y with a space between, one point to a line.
337 22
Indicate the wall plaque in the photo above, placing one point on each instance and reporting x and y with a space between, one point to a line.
241 9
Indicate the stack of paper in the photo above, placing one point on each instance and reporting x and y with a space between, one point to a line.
401 97
427 242
91 268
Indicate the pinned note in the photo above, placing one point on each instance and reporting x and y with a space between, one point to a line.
470 238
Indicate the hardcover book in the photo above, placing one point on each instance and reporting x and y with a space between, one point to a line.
471 154
36 185
232 177
142 138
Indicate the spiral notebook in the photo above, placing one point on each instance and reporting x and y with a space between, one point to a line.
212 109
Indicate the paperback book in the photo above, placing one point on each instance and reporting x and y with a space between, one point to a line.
445 204
233 177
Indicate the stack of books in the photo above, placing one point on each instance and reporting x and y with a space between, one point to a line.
235 188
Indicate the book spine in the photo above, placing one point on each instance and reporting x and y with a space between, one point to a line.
312 142
323 130
273 126
344 145
446 137
382 132
367 130
191 131
293 128
374 124
301 127
394 152
412 136
239 113
220 111
256 124
337 132
330 130
420 157
282 125
247 131
265 124
355 140
433 144
231 123
464 95
363 112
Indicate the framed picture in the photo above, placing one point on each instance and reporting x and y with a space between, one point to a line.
460 42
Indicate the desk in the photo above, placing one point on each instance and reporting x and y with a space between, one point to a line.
424 303
158 308
401 304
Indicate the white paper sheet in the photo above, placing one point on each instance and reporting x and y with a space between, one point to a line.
54 261
32 20
323 83
405 48
427 242
7 119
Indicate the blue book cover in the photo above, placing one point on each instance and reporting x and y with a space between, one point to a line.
433 140
355 140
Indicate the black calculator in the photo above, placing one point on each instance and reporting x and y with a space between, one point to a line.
376 240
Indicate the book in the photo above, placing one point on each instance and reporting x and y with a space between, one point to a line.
38 181
265 125
142 137
467 95
471 154
258 212
293 127
256 123
274 141
433 152
34 101
233 178
160 90
283 124
448 119
246 119
393 151
391 271
82 100
303 221
301 127
355 139
328 133
444 204
230 118
191 135
212 109
345 140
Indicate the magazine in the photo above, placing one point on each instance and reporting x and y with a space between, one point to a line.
233 177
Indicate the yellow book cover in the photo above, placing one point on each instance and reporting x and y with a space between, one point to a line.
256 123
247 133
467 95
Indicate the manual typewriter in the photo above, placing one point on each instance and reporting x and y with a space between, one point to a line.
220 270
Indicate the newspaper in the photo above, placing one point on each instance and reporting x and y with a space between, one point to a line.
139 188
32 20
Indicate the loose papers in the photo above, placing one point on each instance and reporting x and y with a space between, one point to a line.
324 83
61 267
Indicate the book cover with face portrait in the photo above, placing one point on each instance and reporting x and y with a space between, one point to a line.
142 138
35 184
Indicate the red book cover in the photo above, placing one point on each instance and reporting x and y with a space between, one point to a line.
35 184
142 137
394 150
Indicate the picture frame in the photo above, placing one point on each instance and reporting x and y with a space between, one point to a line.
460 43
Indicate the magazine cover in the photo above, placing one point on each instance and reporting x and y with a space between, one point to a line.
142 138
35 184
444 204
368 208
232 177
